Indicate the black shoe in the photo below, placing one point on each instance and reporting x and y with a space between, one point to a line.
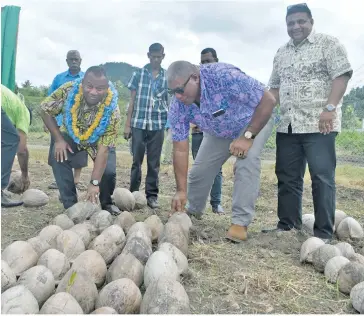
153 202
7 202
112 209
271 230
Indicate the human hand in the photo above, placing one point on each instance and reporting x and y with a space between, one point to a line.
45 129
60 150
25 183
240 147
179 202
92 194
127 132
326 124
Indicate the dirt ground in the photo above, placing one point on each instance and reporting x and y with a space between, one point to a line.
262 275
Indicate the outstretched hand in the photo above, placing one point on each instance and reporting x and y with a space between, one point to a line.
179 202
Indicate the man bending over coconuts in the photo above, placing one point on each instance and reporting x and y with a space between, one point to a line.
231 109
91 119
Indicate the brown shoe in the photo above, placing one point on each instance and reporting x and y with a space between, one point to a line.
237 233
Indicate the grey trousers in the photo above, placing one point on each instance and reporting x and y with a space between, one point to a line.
213 153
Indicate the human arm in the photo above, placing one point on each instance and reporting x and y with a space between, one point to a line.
127 129
23 159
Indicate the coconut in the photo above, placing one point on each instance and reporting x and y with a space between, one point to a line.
346 249
15 182
356 257
104 310
83 232
155 225
308 221
116 234
50 234
56 262
70 244
308 247
91 262
125 220
91 229
62 221
18 300
174 234
78 283
39 245
141 230
361 251
357 297
101 220
61 303
350 275
178 257
183 219
108 249
20 256
333 267
122 295
140 200
339 216
139 248
8 277
124 199
35 198
322 255
349 228
165 296
160 264
40 281
82 211
126 266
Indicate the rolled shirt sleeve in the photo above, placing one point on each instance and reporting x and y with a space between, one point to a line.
274 80
134 81
337 60
54 103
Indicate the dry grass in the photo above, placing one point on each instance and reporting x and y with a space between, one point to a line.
262 275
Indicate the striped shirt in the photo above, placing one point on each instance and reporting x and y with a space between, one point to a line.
151 100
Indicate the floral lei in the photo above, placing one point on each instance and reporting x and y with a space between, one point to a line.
102 118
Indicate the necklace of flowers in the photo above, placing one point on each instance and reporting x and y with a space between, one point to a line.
102 118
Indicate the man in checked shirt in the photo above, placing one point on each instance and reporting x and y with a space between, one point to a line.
146 120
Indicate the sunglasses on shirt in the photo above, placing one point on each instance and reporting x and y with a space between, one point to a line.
179 90
298 5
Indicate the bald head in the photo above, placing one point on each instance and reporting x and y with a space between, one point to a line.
180 70
74 61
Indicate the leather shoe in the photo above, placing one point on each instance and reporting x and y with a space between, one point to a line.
6 201
237 233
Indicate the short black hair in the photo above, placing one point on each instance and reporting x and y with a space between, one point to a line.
98 71
156 48
209 50
297 8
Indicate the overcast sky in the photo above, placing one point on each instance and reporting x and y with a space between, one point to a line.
244 33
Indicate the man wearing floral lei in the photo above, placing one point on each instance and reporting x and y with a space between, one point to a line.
91 120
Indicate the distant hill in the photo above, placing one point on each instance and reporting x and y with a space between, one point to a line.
119 71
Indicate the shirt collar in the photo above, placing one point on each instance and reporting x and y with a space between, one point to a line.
77 75
149 69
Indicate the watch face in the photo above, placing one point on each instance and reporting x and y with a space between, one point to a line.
330 107
248 134
95 182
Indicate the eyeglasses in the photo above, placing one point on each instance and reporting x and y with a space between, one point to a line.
179 90
297 5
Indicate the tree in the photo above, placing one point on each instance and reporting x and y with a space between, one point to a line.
350 120
27 84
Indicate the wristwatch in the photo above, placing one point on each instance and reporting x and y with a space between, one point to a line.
95 182
330 107
249 135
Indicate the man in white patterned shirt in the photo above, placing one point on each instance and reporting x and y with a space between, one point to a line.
309 78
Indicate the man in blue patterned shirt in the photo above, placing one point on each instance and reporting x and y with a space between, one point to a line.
146 120
74 72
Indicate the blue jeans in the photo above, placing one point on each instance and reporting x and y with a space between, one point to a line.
215 194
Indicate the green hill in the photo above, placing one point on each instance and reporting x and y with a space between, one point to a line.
119 71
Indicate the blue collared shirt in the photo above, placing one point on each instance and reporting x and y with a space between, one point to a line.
58 81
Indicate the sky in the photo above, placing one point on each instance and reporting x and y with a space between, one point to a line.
245 33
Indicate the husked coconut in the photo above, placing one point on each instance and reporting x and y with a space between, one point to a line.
78 283
183 219
70 244
40 281
125 220
18 300
339 216
55 261
139 248
357 297
346 249
122 295
101 220
141 230
333 267
174 234
308 247
106 247
126 266
322 255
177 255
104 310
165 296
349 228
356 257
50 234
361 251
116 234
160 264
124 199
8 277
35 198
82 211
308 221
39 245
93 263
20 256
91 229
15 182
61 303
140 200
83 232
62 221
350 275
155 225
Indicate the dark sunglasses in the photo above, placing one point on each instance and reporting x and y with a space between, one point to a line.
179 90
297 5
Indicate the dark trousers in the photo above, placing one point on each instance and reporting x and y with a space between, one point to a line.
63 174
215 193
9 148
153 142
293 151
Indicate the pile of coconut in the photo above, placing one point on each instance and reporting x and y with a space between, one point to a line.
86 262
339 261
